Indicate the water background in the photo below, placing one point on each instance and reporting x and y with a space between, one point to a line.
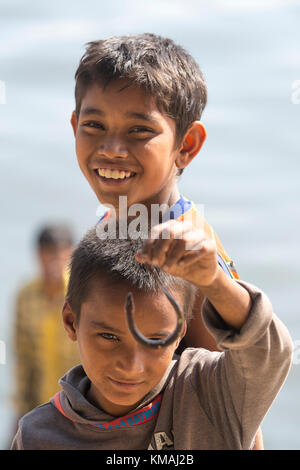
246 175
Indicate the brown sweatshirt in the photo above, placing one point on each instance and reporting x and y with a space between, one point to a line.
206 400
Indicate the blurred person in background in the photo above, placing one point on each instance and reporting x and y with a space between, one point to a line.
42 350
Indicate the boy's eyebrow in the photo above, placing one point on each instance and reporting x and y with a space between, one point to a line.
100 324
91 110
129 114
144 117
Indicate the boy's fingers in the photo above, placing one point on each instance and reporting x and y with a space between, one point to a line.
200 250
153 251
160 249
175 253
180 247
168 243
194 245
189 258
170 229
171 247
154 248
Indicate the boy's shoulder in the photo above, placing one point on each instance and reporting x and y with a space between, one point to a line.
190 356
36 426
194 362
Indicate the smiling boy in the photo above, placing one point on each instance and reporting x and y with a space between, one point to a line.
128 396
139 100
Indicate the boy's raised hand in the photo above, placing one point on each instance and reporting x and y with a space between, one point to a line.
182 251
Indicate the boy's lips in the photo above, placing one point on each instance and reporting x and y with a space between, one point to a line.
125 385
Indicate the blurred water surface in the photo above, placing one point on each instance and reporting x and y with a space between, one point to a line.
247 174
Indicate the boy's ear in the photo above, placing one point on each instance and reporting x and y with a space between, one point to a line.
69 321
191 144
74 122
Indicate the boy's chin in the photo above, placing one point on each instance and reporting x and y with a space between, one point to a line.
123 407
120 202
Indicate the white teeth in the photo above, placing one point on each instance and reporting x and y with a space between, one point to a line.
114 174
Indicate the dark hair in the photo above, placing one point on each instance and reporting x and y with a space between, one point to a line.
162 68
114 259
56 235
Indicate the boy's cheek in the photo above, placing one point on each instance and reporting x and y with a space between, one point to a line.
82 150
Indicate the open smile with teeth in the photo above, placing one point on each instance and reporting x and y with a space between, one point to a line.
115 174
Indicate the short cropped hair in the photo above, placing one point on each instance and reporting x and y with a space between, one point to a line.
54 235
162 68
114 259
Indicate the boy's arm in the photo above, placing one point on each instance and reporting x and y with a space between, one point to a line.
229 298
242 382
198 336
246 379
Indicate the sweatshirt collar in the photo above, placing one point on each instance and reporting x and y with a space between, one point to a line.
76 407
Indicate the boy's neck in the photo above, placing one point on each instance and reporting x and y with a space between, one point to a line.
109 408
169 199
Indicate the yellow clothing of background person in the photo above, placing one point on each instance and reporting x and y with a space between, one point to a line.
43 350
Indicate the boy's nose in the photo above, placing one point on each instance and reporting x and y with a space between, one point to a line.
112 148
130 365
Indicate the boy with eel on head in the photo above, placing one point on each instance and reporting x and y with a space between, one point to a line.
127 396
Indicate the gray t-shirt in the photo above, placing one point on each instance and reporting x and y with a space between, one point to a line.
206 400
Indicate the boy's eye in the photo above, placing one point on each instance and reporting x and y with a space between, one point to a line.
141 130
108 336
93 124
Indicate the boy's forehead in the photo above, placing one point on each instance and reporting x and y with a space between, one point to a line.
107 298
107 288
98 97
